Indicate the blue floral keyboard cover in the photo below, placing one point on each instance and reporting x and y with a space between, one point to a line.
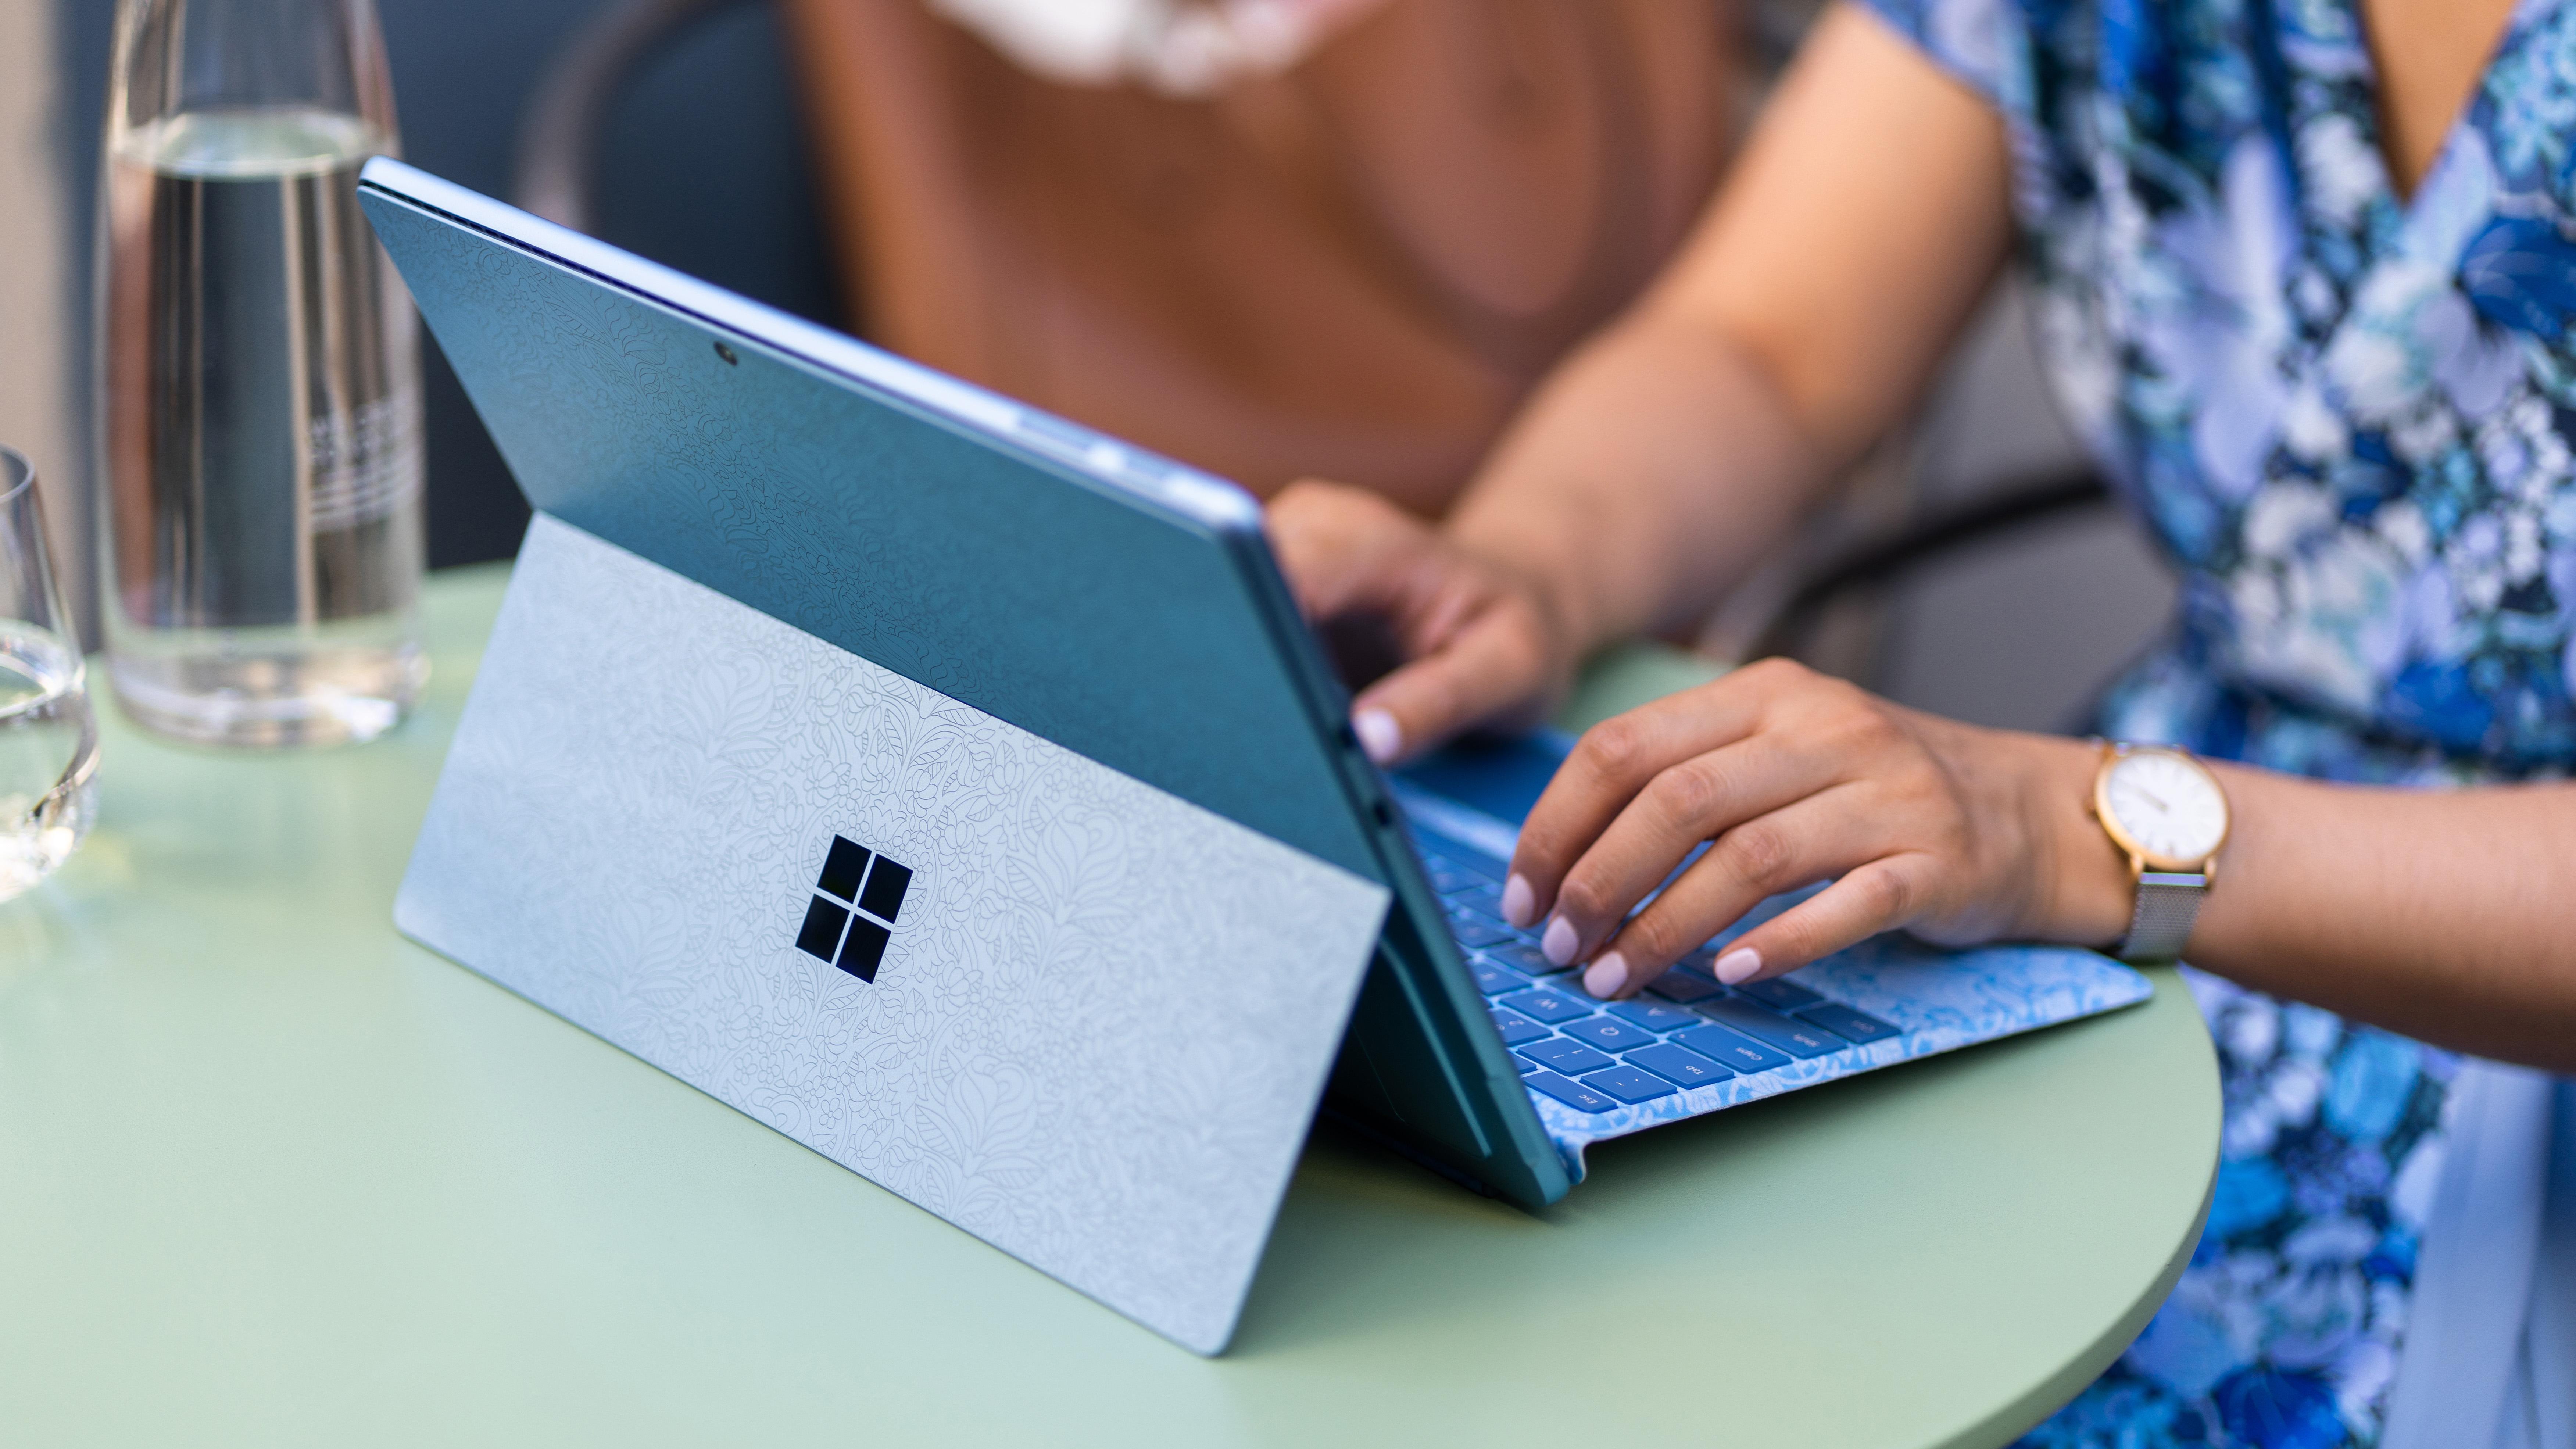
1687 1045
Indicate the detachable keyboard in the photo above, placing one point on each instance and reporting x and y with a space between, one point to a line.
1685 1031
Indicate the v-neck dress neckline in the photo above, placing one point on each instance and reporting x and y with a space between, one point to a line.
2401 207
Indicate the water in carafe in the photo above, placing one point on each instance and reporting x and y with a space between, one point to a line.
260 401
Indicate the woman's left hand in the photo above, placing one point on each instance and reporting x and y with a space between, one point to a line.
1956 833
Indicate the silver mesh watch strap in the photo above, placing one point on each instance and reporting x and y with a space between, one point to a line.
2167 903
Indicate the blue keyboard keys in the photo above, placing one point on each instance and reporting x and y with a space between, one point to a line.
1466 865
1685 987
1835 1017
1482 899
1794 1037
1573 1094
1654 1016
1525 1065
1493 980
1548 1006
1517 1028
1780 994
1474 932
1678 1066
1448 878
1569 1057
1522 957
1608 1034
1739 1052
1629 1084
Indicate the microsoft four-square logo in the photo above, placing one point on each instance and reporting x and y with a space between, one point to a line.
856 940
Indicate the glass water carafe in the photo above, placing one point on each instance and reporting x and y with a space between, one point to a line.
259 396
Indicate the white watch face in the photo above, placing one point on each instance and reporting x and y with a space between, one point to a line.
2168 804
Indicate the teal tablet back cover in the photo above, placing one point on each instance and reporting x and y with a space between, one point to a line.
1092 615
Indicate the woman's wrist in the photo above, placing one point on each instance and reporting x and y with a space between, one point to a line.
2087 887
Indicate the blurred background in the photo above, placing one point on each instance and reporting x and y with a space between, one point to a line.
794 149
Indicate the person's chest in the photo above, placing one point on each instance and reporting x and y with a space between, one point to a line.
2344 405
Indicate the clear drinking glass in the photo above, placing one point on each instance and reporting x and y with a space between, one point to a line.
48 739
259 396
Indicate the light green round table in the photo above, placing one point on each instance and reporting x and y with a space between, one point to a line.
270 1174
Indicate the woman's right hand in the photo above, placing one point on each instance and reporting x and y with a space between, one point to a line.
1482 643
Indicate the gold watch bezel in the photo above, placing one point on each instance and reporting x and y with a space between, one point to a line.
2141 859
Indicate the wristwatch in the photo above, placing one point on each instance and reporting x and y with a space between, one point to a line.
2166 812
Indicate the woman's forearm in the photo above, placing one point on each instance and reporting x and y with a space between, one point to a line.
2448 915
1854 236
1645 479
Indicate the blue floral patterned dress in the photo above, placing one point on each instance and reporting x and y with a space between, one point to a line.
2346 417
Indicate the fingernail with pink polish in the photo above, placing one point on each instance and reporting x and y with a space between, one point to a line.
1738 966
1520 904
1608 976
1559 942
1380 736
